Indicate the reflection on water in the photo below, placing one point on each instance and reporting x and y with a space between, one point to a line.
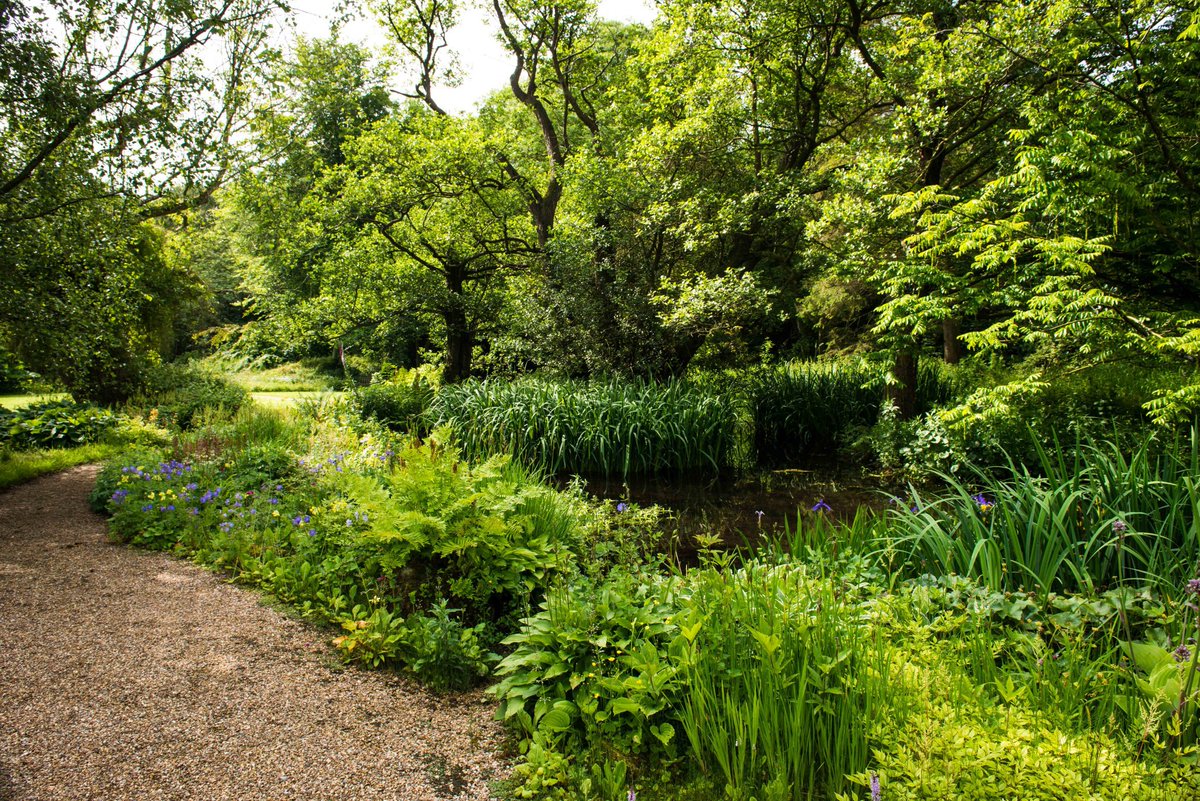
729 508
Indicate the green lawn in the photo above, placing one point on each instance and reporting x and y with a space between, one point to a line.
18 401
288 398
22 466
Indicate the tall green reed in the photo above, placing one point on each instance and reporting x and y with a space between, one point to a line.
606 427
777 702
1085 516
802 407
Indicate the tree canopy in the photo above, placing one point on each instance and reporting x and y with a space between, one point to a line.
739 180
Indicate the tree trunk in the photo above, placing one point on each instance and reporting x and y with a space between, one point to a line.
459 337
903 393
952 348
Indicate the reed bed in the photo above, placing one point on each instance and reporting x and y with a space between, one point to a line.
608 427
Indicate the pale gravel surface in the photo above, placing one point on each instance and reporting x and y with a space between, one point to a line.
131 675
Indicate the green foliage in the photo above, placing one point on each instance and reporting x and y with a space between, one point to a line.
592 667
608 428
811 407
1090 516
398 404
372 640
777 699
14 378
953 743
1169 680
1004 417
442 652
54 424
181 392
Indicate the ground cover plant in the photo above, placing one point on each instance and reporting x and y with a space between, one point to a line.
53 424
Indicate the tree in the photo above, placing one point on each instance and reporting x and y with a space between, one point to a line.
1086 245
113 115
431 188
319 98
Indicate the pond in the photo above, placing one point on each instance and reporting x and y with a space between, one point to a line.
729 507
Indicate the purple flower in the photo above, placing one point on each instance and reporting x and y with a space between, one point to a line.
297 520
632 795
1182 653
148 507
312 532
622 506
876 790
1193 586
821 506
273 501
759 514
1120 527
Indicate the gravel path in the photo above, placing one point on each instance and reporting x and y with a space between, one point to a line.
130 675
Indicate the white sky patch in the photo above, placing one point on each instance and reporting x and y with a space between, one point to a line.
483 64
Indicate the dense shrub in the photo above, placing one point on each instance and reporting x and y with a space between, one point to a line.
180 392
399 405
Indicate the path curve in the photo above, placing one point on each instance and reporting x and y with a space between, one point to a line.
126 674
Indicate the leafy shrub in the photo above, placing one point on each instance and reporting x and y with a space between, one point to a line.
953 742
374 640
484 536
13 375
592 666
54 424
443 653
436 647
399 405
180 392
1011 419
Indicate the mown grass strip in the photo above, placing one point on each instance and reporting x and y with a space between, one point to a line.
16 468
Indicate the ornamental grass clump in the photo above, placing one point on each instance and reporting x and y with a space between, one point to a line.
805 407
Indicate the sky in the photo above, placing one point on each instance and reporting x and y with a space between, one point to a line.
482 61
